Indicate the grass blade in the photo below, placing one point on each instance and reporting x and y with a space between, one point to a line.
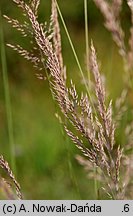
87 40
7 98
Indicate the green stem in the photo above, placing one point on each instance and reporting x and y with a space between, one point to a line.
75 55
7 99
87 40
95 184
78 63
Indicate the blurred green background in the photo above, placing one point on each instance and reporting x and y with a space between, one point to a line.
45 158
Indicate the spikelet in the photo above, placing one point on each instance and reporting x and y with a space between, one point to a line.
4 165
34 6
56 35
116 8
6 190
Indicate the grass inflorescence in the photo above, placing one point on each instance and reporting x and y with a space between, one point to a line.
89 118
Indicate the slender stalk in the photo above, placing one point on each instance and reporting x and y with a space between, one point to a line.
76 57
7 99
78 63
95 184
87 40
71 44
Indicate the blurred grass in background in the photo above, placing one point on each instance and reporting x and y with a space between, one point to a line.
46 167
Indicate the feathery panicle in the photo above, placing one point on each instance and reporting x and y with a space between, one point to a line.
127 188
106 114
130 4
111 13
34 6
129 136
93 133
116 8
120 107
27 55
4 165
89 168
26 30
56 35
23 28
20 4
112 23
7 192
99 88
90 154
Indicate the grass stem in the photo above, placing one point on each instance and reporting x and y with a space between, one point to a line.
7 99
87 40
76 57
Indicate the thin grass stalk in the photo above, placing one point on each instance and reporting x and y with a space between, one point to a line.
58 50
87 40
78 63
7 99
95 184
71 43
76 57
